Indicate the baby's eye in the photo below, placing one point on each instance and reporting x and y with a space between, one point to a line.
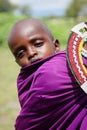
38 44
20 54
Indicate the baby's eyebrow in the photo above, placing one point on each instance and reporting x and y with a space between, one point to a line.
19 48
33 39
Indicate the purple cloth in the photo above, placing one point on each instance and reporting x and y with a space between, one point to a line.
50 98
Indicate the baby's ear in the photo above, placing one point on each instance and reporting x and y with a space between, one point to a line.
57 45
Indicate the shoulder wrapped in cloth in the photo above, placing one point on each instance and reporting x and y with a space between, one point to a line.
50 97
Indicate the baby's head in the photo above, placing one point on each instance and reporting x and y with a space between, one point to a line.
30 40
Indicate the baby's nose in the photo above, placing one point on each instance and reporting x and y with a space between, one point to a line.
31 53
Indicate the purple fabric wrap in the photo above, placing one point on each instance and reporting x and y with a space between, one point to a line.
50 98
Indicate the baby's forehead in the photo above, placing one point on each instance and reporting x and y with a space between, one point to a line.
34 23
28 26
30 29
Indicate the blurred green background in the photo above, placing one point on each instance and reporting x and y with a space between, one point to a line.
9 105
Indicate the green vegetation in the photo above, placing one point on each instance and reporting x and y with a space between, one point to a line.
77 8
6 6
9 105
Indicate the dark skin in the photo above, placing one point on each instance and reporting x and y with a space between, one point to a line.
85 46
30 40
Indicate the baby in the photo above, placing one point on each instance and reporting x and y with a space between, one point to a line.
30 40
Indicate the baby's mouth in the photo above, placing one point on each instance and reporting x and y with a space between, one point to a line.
33 60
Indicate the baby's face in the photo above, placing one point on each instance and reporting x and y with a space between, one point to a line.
30 44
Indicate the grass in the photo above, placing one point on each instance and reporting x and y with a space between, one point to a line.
9 106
